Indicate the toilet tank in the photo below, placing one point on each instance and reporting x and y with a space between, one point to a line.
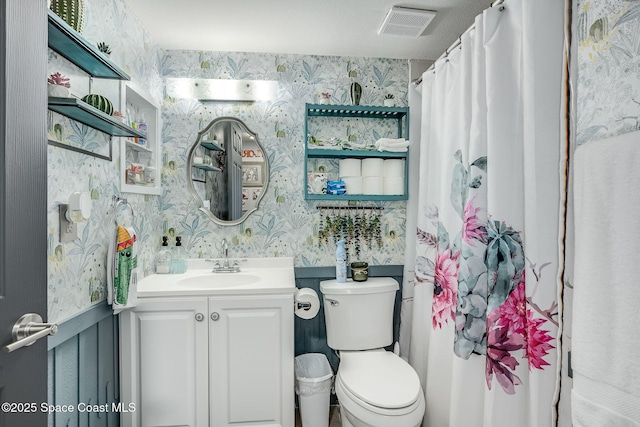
359 315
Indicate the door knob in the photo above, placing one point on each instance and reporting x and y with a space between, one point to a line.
27 330
215 316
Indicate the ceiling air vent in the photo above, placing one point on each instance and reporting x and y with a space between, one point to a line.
404 21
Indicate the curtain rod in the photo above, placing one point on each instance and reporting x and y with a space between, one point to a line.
455 43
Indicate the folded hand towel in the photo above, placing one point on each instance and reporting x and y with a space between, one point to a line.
389 144
123 270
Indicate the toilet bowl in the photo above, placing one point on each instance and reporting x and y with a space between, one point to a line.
376 388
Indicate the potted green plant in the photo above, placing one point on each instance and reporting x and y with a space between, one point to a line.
388 100
104 48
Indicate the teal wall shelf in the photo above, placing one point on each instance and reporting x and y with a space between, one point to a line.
84 113
400 114
316 110
70 44
207 168
341 154
347 197
76 49
211 146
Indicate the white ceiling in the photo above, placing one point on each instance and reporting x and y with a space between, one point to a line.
311 27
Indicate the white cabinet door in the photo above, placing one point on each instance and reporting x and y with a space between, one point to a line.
164 362
251 361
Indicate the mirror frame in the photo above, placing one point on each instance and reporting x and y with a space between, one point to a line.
192 188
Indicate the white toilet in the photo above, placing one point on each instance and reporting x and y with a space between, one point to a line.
375 388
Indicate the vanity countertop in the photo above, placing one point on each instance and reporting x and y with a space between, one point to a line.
257 276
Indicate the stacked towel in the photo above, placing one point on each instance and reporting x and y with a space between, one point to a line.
396 145
606 390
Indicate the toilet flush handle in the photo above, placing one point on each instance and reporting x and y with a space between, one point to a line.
333 302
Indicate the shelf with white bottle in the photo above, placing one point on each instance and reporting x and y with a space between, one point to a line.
138 105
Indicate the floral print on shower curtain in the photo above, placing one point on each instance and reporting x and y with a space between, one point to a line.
489 221
479 285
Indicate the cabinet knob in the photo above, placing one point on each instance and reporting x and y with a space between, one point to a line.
199 317
215 316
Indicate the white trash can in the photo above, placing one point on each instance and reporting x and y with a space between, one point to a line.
313 387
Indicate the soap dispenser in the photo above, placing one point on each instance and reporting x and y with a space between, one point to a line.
178 264
163 260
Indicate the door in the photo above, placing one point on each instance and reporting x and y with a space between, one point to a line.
23 205
164 367
235 177
251 361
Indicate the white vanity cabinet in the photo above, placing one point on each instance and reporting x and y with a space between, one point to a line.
251 361
164 362
208 361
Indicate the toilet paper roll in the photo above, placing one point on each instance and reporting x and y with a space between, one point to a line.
353 184
349 167
304 296
372 185
393 186
372 167
393 168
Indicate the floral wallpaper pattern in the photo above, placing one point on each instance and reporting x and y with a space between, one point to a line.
284 225
77 270
608 88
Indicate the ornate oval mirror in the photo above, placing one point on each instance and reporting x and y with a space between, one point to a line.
227 171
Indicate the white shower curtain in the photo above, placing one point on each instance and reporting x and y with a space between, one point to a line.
485 314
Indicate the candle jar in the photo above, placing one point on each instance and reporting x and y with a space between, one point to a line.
359 271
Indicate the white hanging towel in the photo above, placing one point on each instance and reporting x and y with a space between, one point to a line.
605 348
122 270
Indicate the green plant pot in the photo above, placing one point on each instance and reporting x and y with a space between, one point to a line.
71 12
99 102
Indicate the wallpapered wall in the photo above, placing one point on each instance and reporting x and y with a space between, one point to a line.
608 90
77 270
285 224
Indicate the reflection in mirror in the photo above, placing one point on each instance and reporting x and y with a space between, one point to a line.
227 171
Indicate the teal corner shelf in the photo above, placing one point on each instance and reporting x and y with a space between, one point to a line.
84 113
71 45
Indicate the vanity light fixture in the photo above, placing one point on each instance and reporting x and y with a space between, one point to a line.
406 21
77 210
223 89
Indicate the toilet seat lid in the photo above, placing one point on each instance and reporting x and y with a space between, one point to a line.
379 378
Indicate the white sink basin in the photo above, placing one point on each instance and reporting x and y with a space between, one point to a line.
218 280
273 275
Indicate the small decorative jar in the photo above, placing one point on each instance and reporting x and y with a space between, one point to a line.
359 271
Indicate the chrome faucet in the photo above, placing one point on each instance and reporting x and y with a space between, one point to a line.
226 267
225 253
